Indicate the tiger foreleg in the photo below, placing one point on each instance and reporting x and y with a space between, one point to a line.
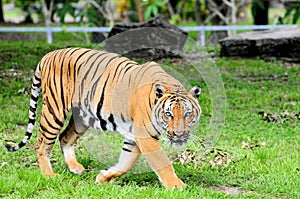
67 140
128 157
159 162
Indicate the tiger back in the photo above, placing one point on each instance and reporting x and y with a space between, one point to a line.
109 92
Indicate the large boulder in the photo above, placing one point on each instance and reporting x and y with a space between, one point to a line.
152 39
281 44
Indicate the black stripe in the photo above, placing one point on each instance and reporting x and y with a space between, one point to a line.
78 58
69 64
53 97
128 143
143 73
112 121
38 85
130 72
78 133
102 121
99 107
28 134
93 90
46 131
39 66
126 69
111 59
97 68
32 109
54 72
62 83
33 113
21 144
124 149
122 118
153 136
117 69
51 125
86 100
32 121
69 68
89 69
51 143
153 124
149 102
52 113
129 80
48 67
91 65
36 78
157 131
103 124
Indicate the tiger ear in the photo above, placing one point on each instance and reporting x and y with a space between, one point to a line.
195 92
159 90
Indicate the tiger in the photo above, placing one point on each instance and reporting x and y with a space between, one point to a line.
109 92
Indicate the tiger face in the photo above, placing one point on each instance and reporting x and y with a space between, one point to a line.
176 112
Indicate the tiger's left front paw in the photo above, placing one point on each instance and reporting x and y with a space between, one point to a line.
174 183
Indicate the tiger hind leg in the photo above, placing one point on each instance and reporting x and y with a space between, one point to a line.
46 139
128 157
67 140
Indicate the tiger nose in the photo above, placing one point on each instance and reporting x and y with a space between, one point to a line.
178 133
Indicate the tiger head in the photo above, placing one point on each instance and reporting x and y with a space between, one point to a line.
176 111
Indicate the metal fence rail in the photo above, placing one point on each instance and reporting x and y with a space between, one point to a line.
201 29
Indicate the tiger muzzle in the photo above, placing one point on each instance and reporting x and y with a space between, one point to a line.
178 139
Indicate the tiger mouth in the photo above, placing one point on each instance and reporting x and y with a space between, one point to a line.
177 142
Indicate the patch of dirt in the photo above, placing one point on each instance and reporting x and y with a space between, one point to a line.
230 190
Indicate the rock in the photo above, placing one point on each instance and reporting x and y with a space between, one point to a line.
98 37
282 44
153 39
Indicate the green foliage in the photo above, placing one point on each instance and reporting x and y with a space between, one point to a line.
67 8
152 7
87 11
291 16
175 19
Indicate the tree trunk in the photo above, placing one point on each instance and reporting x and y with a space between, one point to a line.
140 10
217 20
1 13
260 12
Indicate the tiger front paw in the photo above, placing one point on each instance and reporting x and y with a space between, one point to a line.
101 179
76 168
174 183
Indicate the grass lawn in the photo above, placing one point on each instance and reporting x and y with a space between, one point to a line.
256 156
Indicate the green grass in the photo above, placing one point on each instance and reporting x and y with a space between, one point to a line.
261 158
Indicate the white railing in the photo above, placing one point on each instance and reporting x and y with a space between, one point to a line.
201 29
